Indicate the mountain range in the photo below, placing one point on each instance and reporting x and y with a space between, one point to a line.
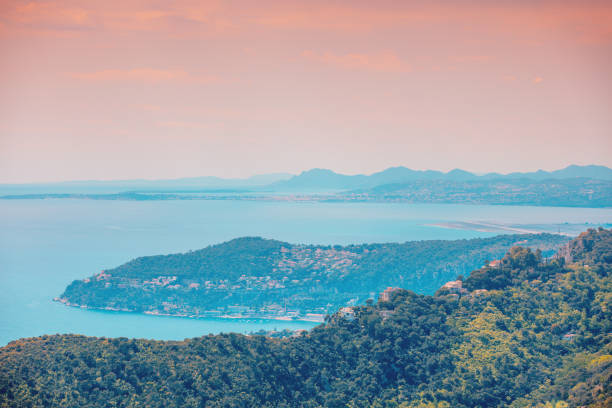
314 180
118 186
324 179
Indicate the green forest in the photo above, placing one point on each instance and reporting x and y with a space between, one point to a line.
528 331
264 277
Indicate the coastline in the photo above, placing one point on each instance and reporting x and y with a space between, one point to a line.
492 227
285 318
295 198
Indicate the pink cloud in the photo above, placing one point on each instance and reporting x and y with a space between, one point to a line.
61 16
48 16
386 61
584 22
144 75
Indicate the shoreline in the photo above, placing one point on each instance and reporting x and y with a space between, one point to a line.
283 318
288 198
493 228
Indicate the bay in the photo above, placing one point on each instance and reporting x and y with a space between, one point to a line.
45 244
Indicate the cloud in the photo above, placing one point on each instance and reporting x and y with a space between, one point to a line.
60 17
586 22
144 75
386 61
49 16
537 80
350 17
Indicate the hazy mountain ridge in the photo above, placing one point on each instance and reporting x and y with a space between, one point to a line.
313 180
118 186
323 179
566 188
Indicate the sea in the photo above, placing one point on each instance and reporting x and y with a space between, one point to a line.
47 243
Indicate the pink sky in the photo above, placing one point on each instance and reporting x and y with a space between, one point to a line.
164 89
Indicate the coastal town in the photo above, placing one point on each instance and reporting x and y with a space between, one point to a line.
255 278
297 266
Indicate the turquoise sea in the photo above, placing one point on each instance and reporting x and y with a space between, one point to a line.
45 244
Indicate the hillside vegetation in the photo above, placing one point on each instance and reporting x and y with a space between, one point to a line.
525 332
260 277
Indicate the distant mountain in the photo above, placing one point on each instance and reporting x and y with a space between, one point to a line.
399 174
320 179
573 171
328 180
117 186
314 180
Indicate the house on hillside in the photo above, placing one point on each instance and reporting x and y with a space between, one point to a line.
455 287
386 295
347 313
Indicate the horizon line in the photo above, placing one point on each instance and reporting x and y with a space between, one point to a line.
140 179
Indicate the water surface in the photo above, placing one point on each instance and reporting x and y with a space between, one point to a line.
45 244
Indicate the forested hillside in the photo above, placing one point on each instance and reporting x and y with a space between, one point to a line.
268 278
524 332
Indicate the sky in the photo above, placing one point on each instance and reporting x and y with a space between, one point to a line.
166 89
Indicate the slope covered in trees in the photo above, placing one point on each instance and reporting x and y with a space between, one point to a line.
260 277
523 333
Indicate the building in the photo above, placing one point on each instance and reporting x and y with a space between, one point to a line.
386 295
455 287
348 313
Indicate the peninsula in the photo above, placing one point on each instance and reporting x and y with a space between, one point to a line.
261 278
